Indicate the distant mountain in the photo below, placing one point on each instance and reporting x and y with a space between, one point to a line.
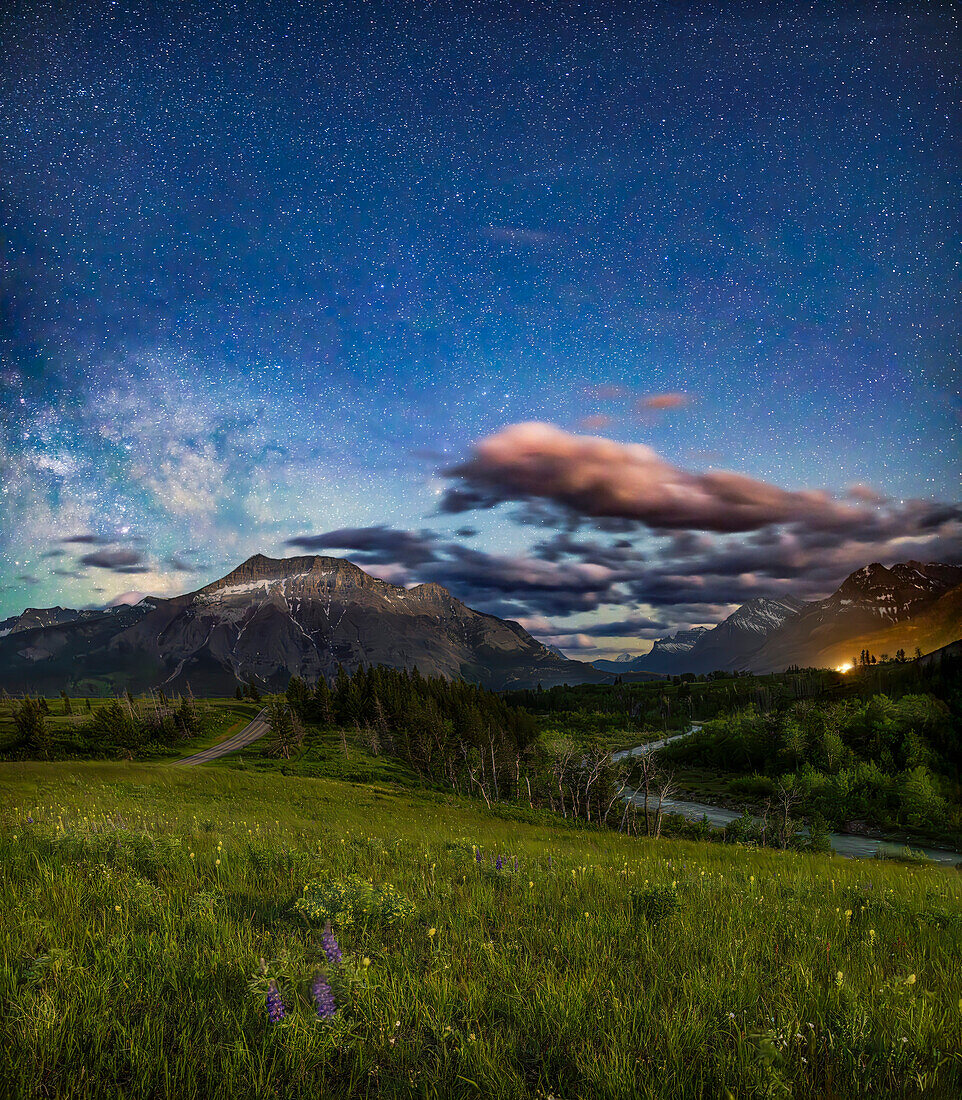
663 657
272 618
731 644
34 617
910 604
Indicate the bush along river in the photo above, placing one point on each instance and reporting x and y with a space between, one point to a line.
845 844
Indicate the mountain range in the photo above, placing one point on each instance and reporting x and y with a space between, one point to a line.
273 618
910 605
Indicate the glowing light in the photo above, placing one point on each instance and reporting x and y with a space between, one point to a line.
843 668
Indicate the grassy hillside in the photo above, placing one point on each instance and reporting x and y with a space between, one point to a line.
220 718
138 899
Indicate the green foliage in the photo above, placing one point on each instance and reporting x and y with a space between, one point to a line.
655 903
353 901
30 722
889 762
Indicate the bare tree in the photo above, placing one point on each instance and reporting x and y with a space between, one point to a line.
665 785
788 797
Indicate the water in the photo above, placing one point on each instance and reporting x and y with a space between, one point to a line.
853 847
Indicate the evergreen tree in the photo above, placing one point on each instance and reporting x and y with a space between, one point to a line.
67 708
30 722
287 733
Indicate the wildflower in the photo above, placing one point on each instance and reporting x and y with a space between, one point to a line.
477 855
498 863
275 1006
431 932
116 908
216 862
530 884
839 978
365 962
331 949
324 1003
910 980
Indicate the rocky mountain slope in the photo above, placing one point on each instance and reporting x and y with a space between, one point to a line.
911 604
33 617
270 619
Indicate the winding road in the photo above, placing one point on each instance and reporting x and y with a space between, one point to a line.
253 731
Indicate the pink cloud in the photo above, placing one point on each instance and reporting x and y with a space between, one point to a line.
661 401
598 477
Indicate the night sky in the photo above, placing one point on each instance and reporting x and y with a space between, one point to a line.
608 318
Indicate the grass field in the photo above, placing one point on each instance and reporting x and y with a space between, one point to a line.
137 901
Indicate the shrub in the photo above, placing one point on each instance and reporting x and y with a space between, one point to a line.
654 903
352 901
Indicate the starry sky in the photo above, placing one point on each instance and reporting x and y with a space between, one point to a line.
607 317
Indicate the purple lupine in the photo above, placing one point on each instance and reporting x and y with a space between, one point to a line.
515 864
477 855
330 946
324 1003
498 864
275 1006
549 863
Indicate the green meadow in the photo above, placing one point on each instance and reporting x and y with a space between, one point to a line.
148 910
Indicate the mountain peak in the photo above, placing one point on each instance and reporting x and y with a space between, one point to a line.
307 567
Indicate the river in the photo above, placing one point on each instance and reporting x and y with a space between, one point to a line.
854 847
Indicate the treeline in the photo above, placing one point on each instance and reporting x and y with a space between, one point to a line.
671 702
457 735
888 762
445 730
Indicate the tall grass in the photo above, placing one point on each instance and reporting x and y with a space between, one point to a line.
138 903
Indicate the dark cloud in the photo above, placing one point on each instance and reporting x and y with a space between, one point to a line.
180 563
641 627
377 545
119 561
28 579
87 540
600 478
466 532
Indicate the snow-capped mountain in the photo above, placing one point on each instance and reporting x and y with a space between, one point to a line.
731 644
832 631
272 618
661 658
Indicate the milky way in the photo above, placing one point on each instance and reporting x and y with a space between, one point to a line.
276 274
